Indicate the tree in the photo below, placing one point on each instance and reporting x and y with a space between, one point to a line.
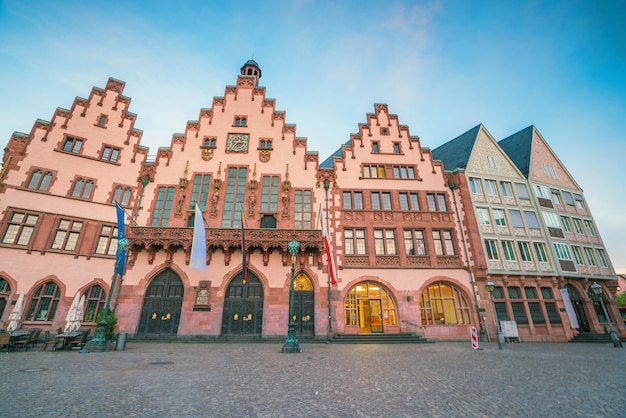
620 299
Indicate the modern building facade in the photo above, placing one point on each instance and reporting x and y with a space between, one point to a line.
412 242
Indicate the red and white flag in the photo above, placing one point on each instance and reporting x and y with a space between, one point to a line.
331 259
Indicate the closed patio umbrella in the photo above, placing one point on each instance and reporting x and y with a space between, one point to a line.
16 314
70 318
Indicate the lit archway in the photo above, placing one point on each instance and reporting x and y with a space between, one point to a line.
371 307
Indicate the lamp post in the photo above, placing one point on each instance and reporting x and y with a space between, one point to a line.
596 290
291 342
326 187
490 286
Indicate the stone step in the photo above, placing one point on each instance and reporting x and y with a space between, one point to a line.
404 338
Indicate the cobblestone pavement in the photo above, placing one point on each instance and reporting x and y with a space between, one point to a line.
324 380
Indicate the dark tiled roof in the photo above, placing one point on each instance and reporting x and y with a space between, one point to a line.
518 147
456 152
328 163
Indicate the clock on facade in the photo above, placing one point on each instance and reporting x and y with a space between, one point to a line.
237 142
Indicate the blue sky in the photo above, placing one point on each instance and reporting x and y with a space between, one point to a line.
441 66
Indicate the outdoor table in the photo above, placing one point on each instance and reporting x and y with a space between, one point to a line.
67 338
15 337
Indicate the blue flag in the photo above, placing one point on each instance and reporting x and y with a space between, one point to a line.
122 242
198 245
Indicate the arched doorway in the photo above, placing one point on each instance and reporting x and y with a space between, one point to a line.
577 304
243 307
371 307
162 304
304 306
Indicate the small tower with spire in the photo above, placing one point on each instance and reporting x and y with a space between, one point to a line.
251 68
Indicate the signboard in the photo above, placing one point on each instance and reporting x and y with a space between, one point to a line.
569 308
509 330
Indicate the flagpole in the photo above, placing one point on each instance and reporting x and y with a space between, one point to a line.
326 187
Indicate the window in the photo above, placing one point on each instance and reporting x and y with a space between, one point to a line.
359 294
107 240
163 206
549 170
490 187
82 188
524 250
200 191
409 201
110 154
436 202
5 287
580 204
444 304
498 217
578 255
578 225
540 250
414 242
519 314
515 217
241 121
66 235
551 219
492 249
567 223
506 189
531 219
509 251
589 227
233 199
562 251
303 209
72 145
375 147
102 121
591 259
381 200
535 313
602 258
269 195
567 196
122 195
403 172
483 216
475 186
556 197
209 142
94 303
44 303
385 242
491 161
20 229
443 242
396 148
522 191
542 191
354 241
373 171
352 200
40 180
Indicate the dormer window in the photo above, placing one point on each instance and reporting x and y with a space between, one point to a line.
241 121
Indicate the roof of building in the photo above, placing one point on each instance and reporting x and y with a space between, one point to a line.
328 162
456 152
518 147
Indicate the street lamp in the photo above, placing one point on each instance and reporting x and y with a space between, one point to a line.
490 286
326 187
596 291
291 342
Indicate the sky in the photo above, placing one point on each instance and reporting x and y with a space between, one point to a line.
442 66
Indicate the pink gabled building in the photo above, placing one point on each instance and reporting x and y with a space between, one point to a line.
392 214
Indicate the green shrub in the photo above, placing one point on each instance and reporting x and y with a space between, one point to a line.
110 326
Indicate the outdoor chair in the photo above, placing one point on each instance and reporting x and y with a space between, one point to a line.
5 342
80 341
33 338
22 342
48 340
